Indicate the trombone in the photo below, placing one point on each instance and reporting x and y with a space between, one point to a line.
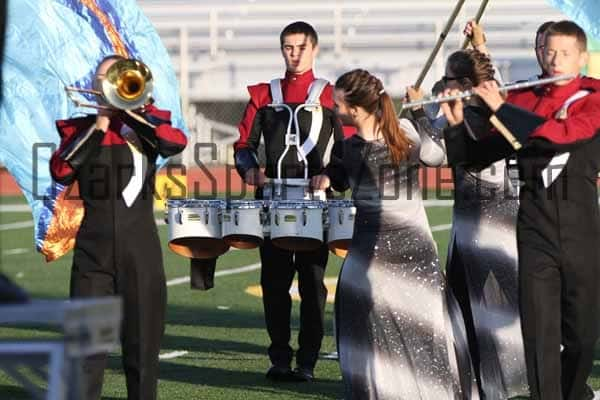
128 85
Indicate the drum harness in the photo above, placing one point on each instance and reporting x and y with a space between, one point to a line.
313 105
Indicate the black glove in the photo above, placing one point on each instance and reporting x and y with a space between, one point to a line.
245 159
146 130
83 148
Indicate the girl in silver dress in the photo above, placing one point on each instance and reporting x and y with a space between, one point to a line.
395 339
481 267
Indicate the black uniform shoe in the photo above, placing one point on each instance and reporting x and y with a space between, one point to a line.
304 374
280 373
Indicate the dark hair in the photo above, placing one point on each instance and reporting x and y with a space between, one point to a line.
361 89
299 27
542 29
472 66
568 28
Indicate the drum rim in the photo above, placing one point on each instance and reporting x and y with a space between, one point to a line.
245 204
195 203
340 202
299 204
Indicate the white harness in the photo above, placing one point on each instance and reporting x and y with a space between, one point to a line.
313 105
558 162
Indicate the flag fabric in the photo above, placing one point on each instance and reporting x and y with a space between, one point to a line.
586 13
51 44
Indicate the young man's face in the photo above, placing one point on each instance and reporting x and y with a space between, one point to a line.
562 55
298 52
100 75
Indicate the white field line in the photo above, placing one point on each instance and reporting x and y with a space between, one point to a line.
233 271
28 224
16 225
15 208
11 208
13 252
438 228
173 354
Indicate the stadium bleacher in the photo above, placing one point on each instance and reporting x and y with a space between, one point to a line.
219 47
223 46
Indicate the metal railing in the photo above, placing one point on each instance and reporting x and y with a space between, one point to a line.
218 49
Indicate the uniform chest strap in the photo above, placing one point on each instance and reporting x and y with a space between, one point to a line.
312 104
558 162
563 112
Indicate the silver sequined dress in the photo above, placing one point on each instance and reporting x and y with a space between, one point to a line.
391 313
482 272
482 268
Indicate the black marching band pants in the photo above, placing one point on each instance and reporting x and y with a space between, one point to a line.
559 301
277 273
137 275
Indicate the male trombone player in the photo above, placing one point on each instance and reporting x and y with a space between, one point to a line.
112 156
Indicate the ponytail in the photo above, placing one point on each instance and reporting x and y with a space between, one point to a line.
395 137
364 90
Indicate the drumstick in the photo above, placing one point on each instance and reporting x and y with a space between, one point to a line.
439 43
477 19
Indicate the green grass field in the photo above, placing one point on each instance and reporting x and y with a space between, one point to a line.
222 330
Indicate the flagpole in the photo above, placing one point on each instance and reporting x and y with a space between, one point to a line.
439 43
478 16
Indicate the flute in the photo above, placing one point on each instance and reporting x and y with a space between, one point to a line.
505 88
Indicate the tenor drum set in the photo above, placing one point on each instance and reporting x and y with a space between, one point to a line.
294 218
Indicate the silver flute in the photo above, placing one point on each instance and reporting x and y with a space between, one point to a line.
505 88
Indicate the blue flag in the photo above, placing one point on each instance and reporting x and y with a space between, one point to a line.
586 13
51 44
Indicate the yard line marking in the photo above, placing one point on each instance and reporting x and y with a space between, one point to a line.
28 224
233 271
438 203
16 225
178 281
14 208
13 252
173 354
438 228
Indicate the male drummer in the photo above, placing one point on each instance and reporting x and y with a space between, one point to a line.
318 127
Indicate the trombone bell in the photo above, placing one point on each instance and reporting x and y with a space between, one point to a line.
127 86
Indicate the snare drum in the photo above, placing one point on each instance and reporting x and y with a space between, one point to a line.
195 228
243 222
297 225
341 215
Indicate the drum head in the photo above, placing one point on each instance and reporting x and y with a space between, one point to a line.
244 242
195 247
340 247
295 243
